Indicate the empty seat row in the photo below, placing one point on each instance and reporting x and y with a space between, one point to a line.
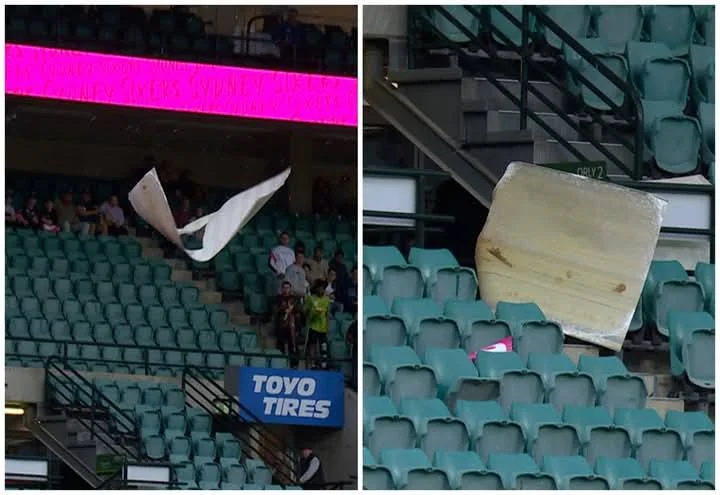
103 291
450 375
138 273
411 469
435 274
250 475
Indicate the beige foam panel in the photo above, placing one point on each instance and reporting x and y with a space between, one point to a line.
577 247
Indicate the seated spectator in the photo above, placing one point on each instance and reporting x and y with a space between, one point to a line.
67 215
295 275
10 213
30 216
113 217
286 316
184 214
49 218
88 213
281 256
318 265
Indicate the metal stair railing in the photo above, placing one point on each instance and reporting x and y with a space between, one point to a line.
75 400
631 113
227 410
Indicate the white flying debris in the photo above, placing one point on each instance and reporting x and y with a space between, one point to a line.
150 202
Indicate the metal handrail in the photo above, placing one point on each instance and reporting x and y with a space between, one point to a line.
212 393
526 52
64 356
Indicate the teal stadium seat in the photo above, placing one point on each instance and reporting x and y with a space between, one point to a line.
656 74
489 428
435 428
618 24
574 19
412 470
625 474
520 472
678 475
673 25
573 473
672 139
616 387
444 277
530 330
652 440
384 428
457 377
564 384
391 275
517 383
545 433
668 287
611 58
466 471
426 325
692 346
599 435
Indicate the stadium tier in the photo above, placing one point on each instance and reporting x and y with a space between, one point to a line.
534 418
178 33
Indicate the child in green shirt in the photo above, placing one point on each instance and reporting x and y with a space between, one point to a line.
317 316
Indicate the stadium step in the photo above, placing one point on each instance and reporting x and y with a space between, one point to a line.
664 404
152 252
479 88
574 351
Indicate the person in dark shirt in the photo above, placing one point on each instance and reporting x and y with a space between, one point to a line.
88 212
351 340
290 36
342 281
30 216
184 214
286 314
49 217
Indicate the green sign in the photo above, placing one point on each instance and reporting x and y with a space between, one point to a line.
594 170
108 464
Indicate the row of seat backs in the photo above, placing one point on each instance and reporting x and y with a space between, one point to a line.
484 426
435 273
411 469
448 374
675 26
423 324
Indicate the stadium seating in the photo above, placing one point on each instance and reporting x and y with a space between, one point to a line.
176 34
666 53
533 419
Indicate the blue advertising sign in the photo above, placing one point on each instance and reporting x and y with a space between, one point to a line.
293 397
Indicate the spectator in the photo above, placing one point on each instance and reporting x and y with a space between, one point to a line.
30 216
290 36
88 213
67 216
114 217
295 275
285 318
311 471
318 265
49 218
183 215
406 246
342 283
351 340
317 316
281 256
330 291
352 294
10 213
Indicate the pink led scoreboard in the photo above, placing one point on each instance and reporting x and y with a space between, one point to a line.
179 86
